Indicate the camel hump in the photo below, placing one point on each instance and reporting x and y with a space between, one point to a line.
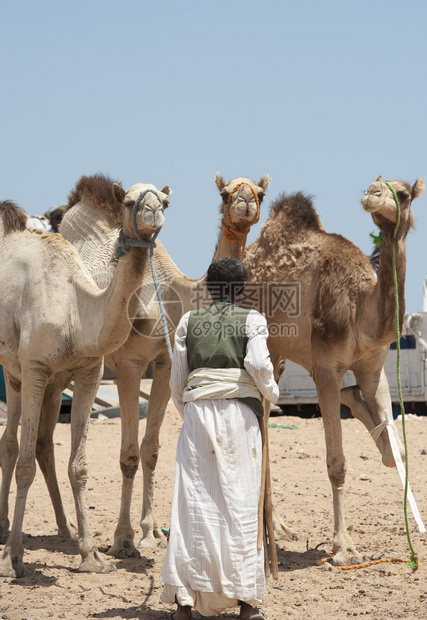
298 208
97 190
14 218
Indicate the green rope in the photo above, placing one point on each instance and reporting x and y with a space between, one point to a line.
414 558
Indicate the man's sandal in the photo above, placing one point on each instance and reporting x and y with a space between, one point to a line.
257 614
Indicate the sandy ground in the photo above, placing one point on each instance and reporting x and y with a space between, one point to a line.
306 588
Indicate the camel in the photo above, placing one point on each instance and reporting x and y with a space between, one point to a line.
56 324
334 313
239 209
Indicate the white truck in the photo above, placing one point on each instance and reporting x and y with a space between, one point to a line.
298 391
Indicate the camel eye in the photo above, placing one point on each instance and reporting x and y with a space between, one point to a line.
401 196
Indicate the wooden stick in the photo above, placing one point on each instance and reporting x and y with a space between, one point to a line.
266 556
269 513
260 537
265 505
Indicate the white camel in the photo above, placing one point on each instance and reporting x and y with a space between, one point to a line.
56 324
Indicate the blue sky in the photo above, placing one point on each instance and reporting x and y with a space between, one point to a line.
322 96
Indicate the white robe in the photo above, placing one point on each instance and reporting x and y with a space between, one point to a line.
212 561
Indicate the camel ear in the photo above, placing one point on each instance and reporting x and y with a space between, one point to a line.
418 188
166 190
265 182
219 181
118 192
379 177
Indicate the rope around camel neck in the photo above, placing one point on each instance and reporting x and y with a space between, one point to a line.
126 242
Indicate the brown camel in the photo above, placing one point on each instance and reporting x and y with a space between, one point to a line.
91 225
329 311
56 324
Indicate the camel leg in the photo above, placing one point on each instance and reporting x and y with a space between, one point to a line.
32 390
128 385
46 457
328 391
159 397
86 382
352 398
8 454
374 408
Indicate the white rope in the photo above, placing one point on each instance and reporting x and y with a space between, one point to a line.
376 432
392 431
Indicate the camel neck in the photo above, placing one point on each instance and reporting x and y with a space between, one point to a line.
114 308
385 290
230 244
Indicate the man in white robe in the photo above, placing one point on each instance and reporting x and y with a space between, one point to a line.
221 367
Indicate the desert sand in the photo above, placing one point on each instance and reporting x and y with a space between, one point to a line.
307 588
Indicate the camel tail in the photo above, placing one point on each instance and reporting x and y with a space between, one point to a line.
13 218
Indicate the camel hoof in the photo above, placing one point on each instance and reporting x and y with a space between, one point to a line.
148 542
95 567
124 554
347 558
124 549
94 563
13 568
283 531
109 568
388 458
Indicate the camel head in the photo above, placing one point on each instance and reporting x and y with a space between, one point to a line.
241 198
149 217
379 201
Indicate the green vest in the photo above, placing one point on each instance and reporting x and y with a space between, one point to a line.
216 338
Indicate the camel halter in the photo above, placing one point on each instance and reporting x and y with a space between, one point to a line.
231 232
125 243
